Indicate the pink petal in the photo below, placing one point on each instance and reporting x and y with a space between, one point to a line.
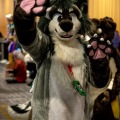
38 9
40 2
108 50
94 44
26 5
99 54
91 53
102 46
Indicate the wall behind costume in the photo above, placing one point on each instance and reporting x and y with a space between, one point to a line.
102 8
6 7
96 9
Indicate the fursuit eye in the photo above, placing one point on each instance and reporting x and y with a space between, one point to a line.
60 18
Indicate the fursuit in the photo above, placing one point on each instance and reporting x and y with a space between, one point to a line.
106 105
65 86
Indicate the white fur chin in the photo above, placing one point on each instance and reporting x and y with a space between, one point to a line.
70 52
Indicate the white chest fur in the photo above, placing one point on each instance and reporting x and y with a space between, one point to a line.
71 53
64 99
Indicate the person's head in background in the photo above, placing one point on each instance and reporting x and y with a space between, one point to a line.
9 18
17 55
10 30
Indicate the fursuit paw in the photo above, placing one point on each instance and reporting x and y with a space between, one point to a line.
98 47
33 6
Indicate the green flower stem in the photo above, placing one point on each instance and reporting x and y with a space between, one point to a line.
78 87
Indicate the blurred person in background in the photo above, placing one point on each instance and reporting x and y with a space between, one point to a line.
10 31
18 72
11 39
116 40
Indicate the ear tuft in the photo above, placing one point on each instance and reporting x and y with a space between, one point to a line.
83 5
43 24
85 24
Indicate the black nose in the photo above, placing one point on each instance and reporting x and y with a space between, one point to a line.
66 25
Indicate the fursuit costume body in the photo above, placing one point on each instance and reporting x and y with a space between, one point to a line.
61 59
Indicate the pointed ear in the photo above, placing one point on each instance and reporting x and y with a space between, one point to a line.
113 25
108 25
86 24
83 5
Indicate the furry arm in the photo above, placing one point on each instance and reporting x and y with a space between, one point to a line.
25 26
100 72
29 36
98 51
24 19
